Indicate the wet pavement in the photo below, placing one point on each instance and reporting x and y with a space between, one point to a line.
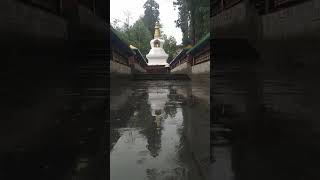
265 121
155 128
57 135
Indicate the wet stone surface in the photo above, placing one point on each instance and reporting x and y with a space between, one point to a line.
265 121
53 138
151 129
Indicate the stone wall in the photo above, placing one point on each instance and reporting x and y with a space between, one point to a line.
91 26
197 69
117 68
300 20
183 68
231 23
138 68
27 23
202 68
242 21
21 22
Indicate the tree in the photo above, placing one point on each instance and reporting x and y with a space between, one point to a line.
151 14
183 20
170 47
202 19
141 36
127 23
195 13
115 24
137 35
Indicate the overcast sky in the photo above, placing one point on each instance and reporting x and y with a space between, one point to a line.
167 14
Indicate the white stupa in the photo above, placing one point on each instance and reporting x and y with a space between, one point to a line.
157 56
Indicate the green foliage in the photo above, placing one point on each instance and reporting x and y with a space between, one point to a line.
170 47
183 20
141 36
193 19
151 14
137 35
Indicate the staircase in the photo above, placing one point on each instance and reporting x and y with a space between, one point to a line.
142 77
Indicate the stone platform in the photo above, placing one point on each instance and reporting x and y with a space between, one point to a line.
157 69
153 76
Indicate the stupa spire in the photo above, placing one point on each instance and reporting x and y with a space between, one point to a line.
157 30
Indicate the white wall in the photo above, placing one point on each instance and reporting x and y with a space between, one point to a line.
203 68
117 68
183 68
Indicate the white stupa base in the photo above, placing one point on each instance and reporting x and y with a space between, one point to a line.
157 56
153 63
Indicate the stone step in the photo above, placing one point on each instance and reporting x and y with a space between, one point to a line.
160 77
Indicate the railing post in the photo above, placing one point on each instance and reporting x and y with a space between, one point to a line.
94 7
222 6
112 54
267 6
131 63
60 7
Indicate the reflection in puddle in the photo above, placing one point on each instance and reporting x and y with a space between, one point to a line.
151 142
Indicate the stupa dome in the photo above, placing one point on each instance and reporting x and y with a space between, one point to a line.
157 55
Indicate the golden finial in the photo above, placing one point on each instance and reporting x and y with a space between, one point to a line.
189 46
132 47
157 30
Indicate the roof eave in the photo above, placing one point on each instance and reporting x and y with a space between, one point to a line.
183 52
203 41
